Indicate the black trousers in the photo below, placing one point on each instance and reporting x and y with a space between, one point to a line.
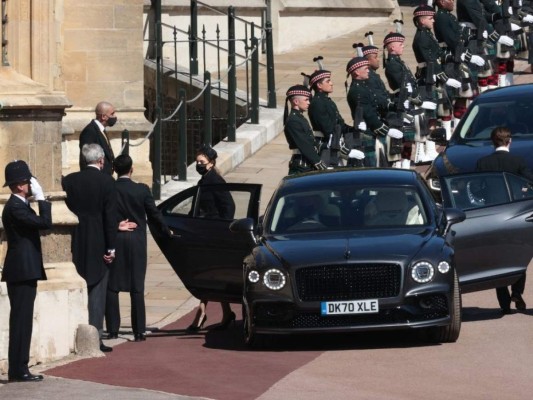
502 293
138 312
97 298
21 299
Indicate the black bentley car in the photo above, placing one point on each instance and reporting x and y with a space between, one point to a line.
510 106
336 251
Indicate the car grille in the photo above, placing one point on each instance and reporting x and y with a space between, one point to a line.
348 282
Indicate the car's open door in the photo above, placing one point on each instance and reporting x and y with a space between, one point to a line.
494 245
204 253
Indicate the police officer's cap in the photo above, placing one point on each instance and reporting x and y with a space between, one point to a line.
393 37
423 10
318 75
298 90
17 171
354 63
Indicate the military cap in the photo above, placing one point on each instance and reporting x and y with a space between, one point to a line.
370 50
318 75
356 62
393 37
298 90
17 171
423 10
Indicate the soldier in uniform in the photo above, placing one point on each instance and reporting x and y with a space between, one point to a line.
386 106
299 135
328 125
401 80
456 54
364 107
474 18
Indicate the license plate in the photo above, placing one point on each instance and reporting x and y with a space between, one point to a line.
349 307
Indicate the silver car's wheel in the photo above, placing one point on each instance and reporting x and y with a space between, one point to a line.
450 333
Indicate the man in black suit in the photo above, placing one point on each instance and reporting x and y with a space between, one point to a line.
23 265
502 160
95 132
135 204
91 195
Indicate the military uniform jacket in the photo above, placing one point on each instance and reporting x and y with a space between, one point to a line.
360 95
324 115
299 136
397 73
448 30
24 260
426 49
135 203
91 195
471 11
376 86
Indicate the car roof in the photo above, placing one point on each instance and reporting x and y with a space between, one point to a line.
507 91
359 176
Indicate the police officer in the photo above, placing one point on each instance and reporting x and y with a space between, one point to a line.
328 125
298 132
364 108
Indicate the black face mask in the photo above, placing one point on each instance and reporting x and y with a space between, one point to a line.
201 168
111 121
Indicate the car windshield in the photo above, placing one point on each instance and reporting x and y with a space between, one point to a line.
516 114
346 208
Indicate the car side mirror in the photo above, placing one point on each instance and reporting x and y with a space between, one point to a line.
453 216
438 135
243 225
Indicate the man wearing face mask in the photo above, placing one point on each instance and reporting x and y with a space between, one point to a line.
95 132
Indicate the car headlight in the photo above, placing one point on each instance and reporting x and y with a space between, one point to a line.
422 272
274 279
443 267
434 184
253 276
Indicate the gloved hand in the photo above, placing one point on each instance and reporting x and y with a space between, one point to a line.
406 104
429 105
510 10
485 34
409 88
515 27
362 126
395 133
454 83
505 40
477 60
36 189
528 19
357 154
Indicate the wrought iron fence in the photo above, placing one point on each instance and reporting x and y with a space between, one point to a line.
182 112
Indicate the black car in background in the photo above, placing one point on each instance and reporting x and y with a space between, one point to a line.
353 250
510 106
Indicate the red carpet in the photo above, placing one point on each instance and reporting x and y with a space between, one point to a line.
213 364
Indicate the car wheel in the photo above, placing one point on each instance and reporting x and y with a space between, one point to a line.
450 333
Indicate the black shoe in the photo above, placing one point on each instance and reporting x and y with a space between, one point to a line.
519 302
112 335
139 337
225 323
105 349
506 311
195 328
26 378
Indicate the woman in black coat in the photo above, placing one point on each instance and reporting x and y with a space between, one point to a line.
213 204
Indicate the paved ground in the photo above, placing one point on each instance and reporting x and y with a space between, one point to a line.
166 299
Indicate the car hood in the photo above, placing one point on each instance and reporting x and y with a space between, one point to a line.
376 246
461 158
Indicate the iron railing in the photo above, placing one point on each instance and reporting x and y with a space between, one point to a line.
184 117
